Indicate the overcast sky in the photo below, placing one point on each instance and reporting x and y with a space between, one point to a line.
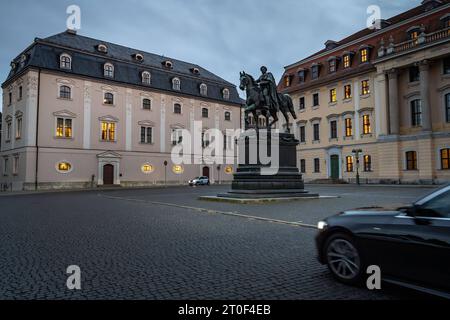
223 36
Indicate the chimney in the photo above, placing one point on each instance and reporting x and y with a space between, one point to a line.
71 31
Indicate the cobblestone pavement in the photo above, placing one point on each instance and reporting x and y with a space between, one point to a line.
146 244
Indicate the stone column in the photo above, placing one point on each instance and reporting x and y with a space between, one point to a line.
381 105
394 120
425 95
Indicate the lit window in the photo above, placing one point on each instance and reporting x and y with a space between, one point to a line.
65 92
414 35
64 167
227 116
109 70
146 77
176 84
411 160
108 131
348 127
146 104
226 94
147 168
349 163
348 91
365 88
177 108
347 61
147 135
63 128
416 113
364 55
177 169
367 163
229 170
18 128
287 81
205 113
333 95
65 62
445 159
109 98
367 129
203 89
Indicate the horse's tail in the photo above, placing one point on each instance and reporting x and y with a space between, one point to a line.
290 105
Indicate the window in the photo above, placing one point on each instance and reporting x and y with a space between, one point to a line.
411 160
364 55
315 99
445 159
65 92
64 167
316 165
147 168
287 81
348 127
301 76
303 166
147 135
18 128
447 107
316 128
367 163
15 170
177 136
349 163
332 66
108 131
414 74
109 98
347 61
146 77
447 65
102 48
146 104
176 84
10 98
65 62
367 129
347 91
205 112
438 207
315 72
205 140
414 35
416 113
109 70
302 103
5 166
227 116
365 88
333 95
303 134
177 108
226 94
20 93
333 129
63 128
203 89
8 131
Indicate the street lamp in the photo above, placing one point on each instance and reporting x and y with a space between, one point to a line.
357 152
165 173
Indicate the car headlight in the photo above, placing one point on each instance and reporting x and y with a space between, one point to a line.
322 225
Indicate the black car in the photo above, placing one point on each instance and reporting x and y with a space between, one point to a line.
411 245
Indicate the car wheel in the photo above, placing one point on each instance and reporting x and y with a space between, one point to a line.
344 259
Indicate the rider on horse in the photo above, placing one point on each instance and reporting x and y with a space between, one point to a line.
269 89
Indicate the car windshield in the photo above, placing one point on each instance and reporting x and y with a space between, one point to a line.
431 195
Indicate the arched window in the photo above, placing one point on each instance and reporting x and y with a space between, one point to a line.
65 61
176 84
109 98
109 70
146 77
146 104
203 89
227 116
226 94
65 92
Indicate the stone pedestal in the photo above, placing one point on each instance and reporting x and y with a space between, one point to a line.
255 178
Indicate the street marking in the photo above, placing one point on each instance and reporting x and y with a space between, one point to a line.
209 211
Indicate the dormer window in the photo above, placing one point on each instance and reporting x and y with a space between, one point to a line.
332 65
203 89
364 53
348 57
13 65
138 57
301 75
168 64
287 81
108 70
195 71
102 48
146 77
315 71
65 61
176 84
226 94
445 21
23 59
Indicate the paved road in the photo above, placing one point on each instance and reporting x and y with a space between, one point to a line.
167 244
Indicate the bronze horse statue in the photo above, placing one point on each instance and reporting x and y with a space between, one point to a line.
256 103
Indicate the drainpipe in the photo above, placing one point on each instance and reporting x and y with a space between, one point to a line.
37 132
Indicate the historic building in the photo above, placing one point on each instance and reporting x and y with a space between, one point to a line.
80 112
378 100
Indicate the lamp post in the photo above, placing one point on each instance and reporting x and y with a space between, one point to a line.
357 152
165 173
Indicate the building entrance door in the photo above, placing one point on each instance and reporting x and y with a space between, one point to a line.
206 172
108 174
334 167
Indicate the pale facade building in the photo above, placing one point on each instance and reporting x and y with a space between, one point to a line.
80 112
385 92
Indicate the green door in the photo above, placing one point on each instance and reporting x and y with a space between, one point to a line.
334 160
